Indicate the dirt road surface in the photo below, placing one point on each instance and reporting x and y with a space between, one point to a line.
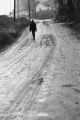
41 80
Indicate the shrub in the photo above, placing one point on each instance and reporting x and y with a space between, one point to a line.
5 40
10 30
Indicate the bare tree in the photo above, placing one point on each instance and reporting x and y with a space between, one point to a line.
29 8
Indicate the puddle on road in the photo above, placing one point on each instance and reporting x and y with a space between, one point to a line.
70 85
42 114
35 114
42 100
77 90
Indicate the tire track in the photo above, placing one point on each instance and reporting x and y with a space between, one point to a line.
20 99
25 99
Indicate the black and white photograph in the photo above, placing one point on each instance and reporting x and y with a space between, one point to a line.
39 59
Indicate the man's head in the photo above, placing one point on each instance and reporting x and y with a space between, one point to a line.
32 20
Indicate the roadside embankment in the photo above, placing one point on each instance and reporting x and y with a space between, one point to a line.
10 30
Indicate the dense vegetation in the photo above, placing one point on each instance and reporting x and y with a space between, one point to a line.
10 30
69 12
69 9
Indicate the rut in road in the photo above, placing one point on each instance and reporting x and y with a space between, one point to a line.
23 102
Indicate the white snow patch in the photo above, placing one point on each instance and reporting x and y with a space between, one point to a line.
42 114
42 100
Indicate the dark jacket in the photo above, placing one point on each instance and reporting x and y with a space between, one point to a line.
33 27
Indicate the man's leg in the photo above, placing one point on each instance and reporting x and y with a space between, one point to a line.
33 33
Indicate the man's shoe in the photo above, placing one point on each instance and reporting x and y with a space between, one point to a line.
34 39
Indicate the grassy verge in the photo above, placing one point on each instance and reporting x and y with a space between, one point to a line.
75 28
10 31
72 23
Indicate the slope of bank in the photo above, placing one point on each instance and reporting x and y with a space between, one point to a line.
10 30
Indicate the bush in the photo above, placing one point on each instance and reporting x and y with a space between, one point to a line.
10 30
22 23
5 40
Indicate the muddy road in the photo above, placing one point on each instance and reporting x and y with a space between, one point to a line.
41 80
21 69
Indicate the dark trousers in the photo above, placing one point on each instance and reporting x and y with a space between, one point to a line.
33 33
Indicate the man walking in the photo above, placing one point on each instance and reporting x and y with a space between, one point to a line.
33 28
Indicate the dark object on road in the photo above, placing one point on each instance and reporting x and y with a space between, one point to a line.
41 81
33 28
